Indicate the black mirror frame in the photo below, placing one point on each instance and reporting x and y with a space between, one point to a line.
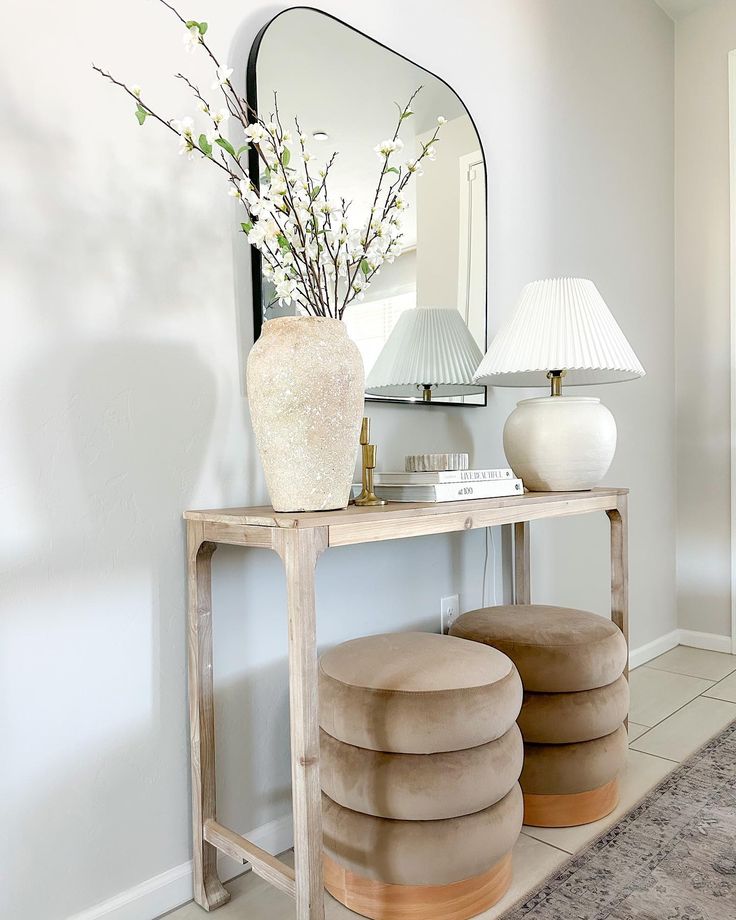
251 91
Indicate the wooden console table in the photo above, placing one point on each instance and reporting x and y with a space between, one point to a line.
300 539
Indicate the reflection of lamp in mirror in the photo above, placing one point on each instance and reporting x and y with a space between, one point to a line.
563 331
429 353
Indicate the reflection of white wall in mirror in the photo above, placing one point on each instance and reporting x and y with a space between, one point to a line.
438 217
472 245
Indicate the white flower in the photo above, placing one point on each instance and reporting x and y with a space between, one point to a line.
306 156
414 168
202 106
136 90
286 137
277 187
257 206
191 38
255 132
186 146
223 75
184 126
220 116
430 152
233 192
386 148
285 290
441 120
399 203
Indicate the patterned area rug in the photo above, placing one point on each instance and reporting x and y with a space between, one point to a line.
672 858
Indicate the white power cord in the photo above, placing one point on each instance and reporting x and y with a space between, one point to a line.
489 531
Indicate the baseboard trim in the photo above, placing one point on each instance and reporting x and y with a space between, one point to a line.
173 888
653 649
710 641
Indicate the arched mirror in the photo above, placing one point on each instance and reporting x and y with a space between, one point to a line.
346 90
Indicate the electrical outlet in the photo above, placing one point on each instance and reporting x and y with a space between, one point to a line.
449 611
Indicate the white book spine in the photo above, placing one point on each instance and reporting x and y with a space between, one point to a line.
450 491
448 476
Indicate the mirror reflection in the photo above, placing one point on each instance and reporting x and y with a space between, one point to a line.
345 88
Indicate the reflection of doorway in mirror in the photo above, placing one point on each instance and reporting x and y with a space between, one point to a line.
472 245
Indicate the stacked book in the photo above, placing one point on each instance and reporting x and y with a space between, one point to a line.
446 485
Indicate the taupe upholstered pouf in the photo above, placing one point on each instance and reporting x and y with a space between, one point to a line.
556 649
420 760
576 701
416 693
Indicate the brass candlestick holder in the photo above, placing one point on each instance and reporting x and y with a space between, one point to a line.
367 496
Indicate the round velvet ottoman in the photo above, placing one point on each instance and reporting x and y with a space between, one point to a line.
576 700
420 761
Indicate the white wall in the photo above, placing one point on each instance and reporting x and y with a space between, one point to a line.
125 335
703 40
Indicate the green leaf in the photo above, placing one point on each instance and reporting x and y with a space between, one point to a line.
314 193
191 23
141 114
205 145
202 26
282 241
365 267
247 227
286 156
242 150
226 145
406 114
393 169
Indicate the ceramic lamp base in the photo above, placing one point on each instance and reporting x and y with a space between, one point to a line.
560 443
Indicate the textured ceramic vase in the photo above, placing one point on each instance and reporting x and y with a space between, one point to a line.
560 443
305 390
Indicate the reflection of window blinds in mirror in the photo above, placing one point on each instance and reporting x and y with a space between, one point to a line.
370 323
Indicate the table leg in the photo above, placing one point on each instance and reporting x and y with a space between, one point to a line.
620 568
300 550
208 890
522 564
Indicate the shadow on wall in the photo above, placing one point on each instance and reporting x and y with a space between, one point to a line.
114 410
103 588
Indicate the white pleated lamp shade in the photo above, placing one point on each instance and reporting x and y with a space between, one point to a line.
428 347
559 324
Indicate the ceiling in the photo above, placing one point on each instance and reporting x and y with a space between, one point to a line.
678 9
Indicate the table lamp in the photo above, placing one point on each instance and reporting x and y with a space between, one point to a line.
429 353
561 329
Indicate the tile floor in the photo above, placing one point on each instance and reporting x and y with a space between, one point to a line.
679 701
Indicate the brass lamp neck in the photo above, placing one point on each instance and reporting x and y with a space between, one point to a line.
427 392
555 382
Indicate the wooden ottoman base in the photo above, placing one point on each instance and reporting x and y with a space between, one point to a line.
380 901
570 810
